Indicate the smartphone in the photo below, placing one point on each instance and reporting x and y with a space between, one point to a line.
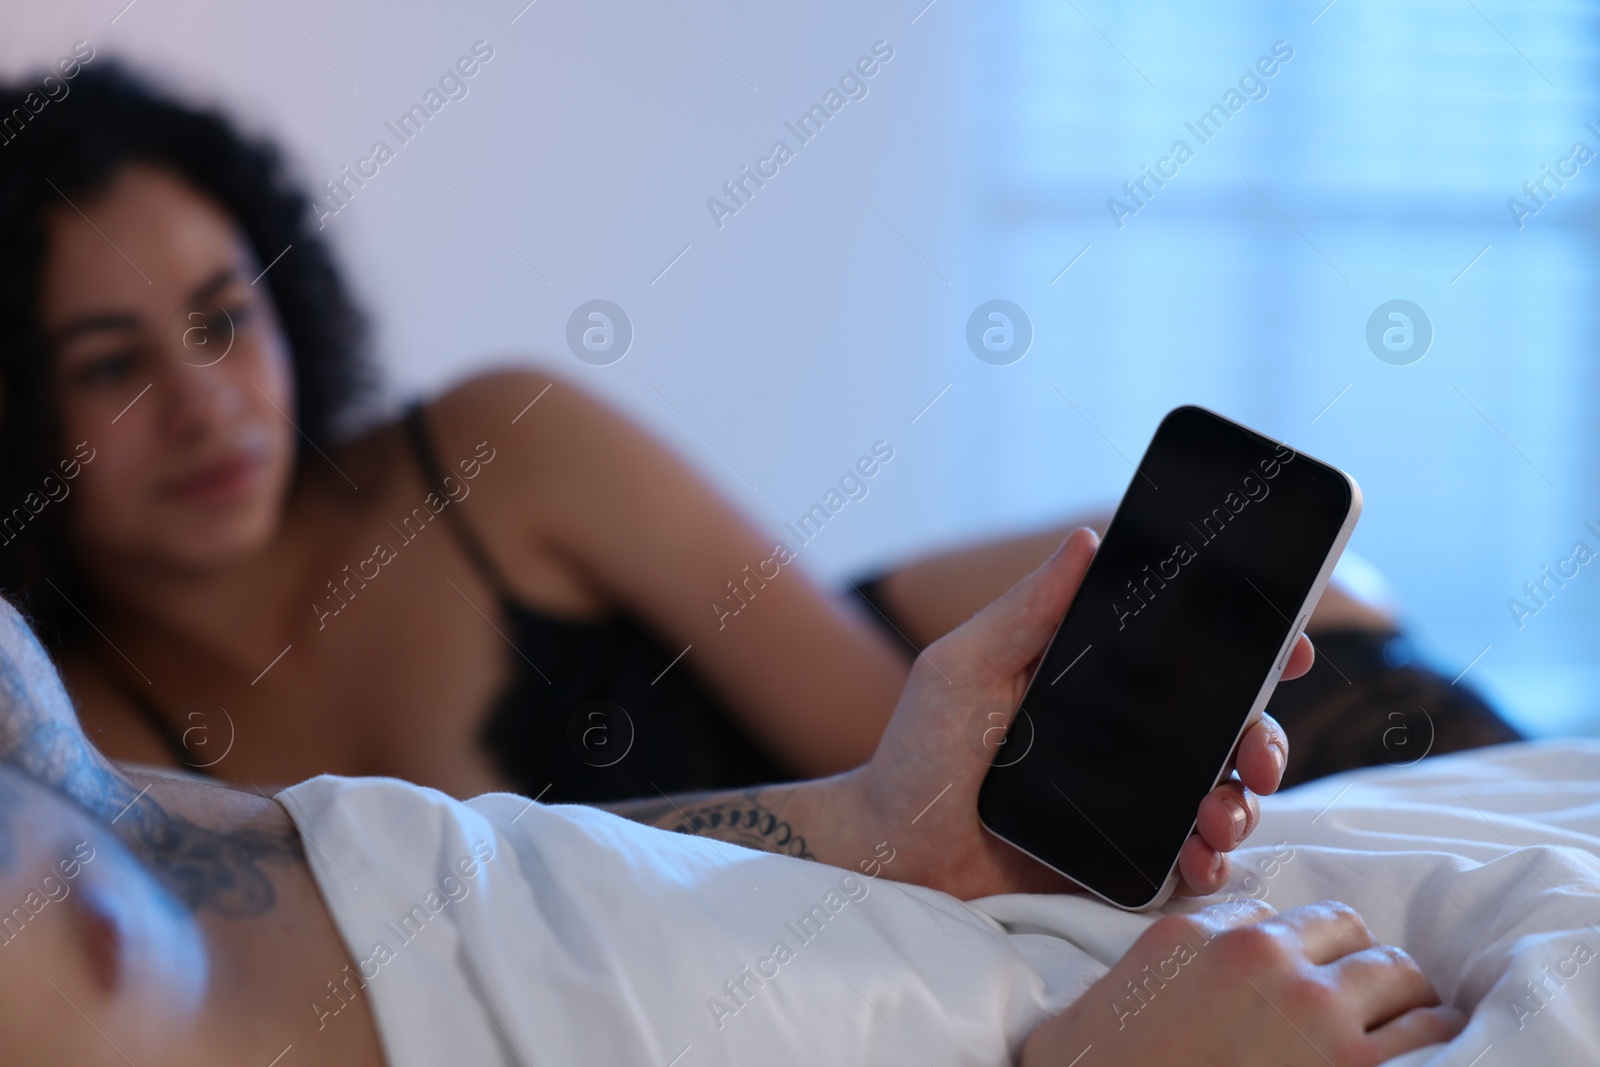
1182 626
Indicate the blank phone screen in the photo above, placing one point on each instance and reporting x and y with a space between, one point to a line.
1178 623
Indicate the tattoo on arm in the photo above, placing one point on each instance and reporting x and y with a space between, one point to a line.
205 869
749 817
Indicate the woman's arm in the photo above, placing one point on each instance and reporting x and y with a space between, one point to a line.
933 595
572 479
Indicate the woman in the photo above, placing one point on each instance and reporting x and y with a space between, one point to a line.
509 587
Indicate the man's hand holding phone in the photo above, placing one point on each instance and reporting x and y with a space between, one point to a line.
919 791
1260 986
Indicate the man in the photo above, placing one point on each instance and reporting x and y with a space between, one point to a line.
365 921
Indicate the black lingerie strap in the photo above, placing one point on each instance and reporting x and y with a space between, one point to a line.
433 476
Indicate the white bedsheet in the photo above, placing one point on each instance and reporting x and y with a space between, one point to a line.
589 939
1484 866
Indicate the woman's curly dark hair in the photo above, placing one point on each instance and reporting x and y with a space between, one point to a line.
73 147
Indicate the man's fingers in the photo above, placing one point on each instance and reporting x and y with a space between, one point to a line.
1417 1028
1385 982
1327 931
1263 754
1227 816
1204 869
1011 631
1300 659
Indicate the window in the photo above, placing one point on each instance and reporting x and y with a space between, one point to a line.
1384 157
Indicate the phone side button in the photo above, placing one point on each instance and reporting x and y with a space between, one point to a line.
1294 638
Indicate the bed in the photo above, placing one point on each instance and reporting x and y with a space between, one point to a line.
583 937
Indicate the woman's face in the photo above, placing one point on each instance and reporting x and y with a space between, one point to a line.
169 364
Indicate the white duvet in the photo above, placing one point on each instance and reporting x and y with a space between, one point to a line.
500 931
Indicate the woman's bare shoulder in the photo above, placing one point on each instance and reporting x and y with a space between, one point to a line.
511 413
544 432
515 405
522 452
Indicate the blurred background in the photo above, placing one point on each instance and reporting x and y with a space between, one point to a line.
1384 159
